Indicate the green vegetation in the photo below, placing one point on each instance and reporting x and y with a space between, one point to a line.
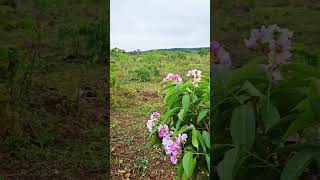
265 117
52 86
134 98
185 124
231 22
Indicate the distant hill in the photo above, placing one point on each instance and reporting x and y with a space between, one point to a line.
183 49
178 49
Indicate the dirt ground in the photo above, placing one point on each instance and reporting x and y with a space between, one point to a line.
131 156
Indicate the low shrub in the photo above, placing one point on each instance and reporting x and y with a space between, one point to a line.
265 118
182 129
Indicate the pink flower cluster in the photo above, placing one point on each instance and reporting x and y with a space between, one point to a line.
173 148
151 122
279 44
164 132
220 54
173 77
196 75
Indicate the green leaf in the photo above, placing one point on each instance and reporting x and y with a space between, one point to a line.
314 97
200 138
315 88
185 85
188 89
296 165
299 147
228 167
181 114
171 112
171 98
195 142
250 71
208 162
201 115
180 170
188 163
183 130
186 102
194 98
168 87
302 105
299 70
270 115
206 138
253 91
155 140
304 120
154 129
181 173
222 75
243 128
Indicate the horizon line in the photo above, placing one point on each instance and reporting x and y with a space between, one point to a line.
197 47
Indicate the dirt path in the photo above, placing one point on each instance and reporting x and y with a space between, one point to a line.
131 156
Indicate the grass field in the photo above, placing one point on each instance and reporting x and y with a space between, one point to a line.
52 86
135 94
231 22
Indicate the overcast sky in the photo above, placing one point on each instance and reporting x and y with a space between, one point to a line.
155 24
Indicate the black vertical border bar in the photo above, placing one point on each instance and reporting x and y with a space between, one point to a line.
211 87
107 103
212 25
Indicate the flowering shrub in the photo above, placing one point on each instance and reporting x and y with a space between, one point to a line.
220 54
278 42
265 118
182 130
173 77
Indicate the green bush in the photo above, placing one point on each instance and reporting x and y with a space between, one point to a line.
263 128
143 73
186 114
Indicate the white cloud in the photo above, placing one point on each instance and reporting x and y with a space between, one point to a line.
154 24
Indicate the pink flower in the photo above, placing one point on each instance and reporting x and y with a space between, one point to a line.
276 75
221 55
279 58
151 122
224 58
173 77
268 33
155 115
182 138
163 131
150 125
215 47
196 75
168 77
272 72
279 42
174 159
166 143
284 39
255 36
174 148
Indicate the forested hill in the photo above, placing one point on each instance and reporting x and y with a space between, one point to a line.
184 49
197 49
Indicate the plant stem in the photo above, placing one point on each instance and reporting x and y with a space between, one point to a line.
264 161
269 92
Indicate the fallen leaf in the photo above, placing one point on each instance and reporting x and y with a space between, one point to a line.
127 175
121 171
